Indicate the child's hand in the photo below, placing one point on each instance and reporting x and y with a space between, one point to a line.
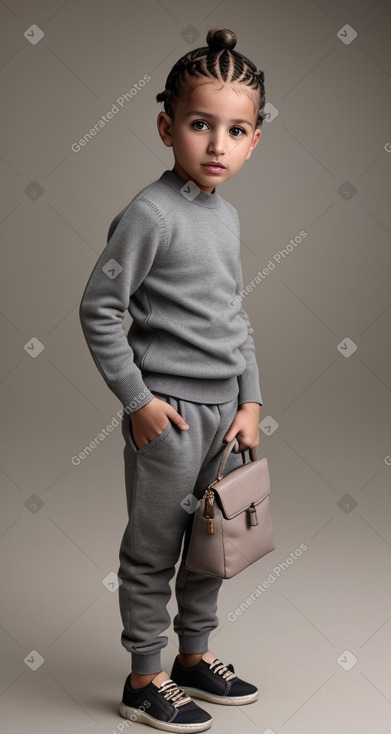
151 419
245 426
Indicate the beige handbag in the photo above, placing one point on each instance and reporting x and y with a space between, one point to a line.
232 526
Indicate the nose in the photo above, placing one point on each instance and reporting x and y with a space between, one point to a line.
217 144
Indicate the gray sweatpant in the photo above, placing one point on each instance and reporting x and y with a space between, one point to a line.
159 478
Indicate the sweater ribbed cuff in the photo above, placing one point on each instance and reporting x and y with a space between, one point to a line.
249 389
132 392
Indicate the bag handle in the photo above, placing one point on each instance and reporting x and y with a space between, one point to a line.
234 445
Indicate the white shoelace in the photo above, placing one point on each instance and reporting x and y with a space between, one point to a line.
221 669
173 693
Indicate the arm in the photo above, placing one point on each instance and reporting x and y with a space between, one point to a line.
246 421
249 389
138 240
245 425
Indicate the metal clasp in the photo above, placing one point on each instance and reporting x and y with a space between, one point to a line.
252 513
209 510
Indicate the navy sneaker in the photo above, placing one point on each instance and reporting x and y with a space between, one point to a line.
215 682
163 705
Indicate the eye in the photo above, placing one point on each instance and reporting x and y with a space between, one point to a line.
237 132
197 125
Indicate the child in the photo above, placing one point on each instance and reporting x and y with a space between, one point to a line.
186 374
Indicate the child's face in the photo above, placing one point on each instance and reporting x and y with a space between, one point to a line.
213 123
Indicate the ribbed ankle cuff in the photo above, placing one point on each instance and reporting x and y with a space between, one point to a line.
146 664
194 644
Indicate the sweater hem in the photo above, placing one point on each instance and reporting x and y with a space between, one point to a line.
196 390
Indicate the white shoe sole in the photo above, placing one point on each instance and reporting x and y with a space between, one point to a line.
127 712
225 700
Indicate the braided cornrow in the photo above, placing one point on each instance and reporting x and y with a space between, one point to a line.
219 61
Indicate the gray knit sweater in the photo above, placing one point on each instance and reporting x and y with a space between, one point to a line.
173 261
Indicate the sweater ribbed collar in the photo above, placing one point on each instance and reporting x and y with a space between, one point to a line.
211 201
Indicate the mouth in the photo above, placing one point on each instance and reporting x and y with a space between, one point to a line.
214 167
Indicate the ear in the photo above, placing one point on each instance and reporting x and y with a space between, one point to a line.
164 123
255 141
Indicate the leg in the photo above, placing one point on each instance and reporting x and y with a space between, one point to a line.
197 593
196 669
158 477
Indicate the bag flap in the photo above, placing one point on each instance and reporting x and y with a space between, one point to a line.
240 488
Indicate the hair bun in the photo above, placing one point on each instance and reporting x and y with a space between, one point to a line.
223 38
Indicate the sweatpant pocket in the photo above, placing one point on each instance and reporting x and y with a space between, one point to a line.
127 430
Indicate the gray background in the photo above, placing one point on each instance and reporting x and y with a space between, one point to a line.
323 166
